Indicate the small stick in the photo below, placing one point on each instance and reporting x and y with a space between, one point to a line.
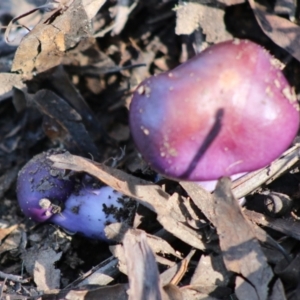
14 278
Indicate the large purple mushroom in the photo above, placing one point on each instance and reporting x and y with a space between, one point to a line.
228 110
76 204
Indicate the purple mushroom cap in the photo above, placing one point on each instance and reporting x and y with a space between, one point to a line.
39 186
226 111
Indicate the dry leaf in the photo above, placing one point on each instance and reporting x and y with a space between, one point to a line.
286 226
8 81
281 31
17 8
69 121
288 272
124 8
92 7
277 291
13 240
118 252
210 18
4 232
63 86
285 7
117 231
7 180
211 271
241 251
144 282
206 293
46 276
46 44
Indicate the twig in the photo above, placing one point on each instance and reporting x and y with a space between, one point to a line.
253 180
14 278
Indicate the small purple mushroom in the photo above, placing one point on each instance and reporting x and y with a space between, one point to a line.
228 110
48 194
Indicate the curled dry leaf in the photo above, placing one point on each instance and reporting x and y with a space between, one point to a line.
144 282
44 47
281 31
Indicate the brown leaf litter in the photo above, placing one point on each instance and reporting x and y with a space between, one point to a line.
71 81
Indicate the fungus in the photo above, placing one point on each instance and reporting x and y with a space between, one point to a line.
228 110
73 202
